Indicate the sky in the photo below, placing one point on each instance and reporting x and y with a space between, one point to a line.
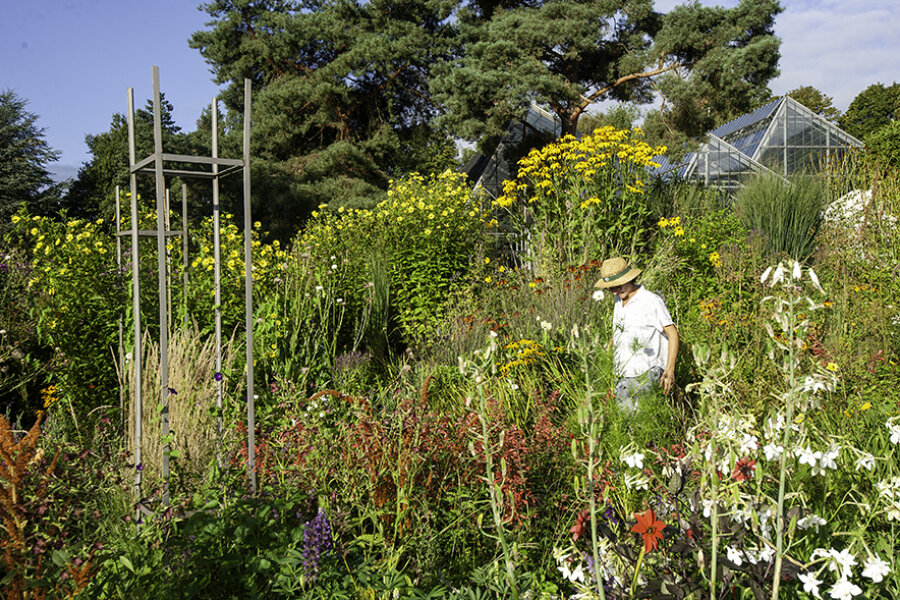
73 60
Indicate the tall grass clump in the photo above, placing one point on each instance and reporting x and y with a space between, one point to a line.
789 215
191 400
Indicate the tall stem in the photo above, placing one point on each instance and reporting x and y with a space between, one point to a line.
590 476
786 438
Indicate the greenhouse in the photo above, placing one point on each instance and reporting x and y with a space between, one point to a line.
782 137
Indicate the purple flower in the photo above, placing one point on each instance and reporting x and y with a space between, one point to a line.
218 376
316 543
139 466
172 391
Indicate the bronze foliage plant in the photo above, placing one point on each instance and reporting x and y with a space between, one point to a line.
24 482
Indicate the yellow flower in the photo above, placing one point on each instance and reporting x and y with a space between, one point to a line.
487 279
866 406
832 367
679 231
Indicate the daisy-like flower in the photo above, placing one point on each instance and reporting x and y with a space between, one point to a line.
649 528
810 584
844 589
598 295
875 569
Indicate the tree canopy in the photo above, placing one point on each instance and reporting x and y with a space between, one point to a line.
341 98
92 194
24 156
874 107
710 63
816 101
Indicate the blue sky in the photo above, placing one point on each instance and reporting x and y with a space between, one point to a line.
72 60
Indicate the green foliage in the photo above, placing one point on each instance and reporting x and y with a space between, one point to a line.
92 194
883 145
415 248
341 99
872 109
815 101
575 200
789 215
24 154
732 54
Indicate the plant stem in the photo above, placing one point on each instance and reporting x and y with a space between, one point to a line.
786 438
590 476
492 488
637 571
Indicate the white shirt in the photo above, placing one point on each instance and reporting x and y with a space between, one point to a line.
638 339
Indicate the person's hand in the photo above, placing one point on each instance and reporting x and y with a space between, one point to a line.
667 381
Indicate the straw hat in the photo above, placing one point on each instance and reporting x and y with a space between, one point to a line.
615 271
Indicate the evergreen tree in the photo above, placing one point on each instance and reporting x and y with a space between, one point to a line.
24 156
710 63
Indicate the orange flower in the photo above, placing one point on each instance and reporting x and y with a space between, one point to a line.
650 528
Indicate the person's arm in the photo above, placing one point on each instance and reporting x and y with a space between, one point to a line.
668 377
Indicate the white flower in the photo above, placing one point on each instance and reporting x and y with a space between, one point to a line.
334 267
513 386
895 431
811 384
748 444
778 276
598 295
637 482
875 569
807 456
866 461
811 521
797 274
577 574
815 279
843 560
635 461
844 589
546 325
765 275
810 584
734 555
827 459
319 288
493 333
766 554
772 451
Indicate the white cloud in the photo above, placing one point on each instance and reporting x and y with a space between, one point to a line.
840 47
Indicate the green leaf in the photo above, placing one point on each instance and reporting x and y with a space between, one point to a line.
126 562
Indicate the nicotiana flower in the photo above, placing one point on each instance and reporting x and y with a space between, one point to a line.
875 569
894 429
828 458
844 589
637 482
842 560
734 555
811 521
865 461
635 461
772 451
810 584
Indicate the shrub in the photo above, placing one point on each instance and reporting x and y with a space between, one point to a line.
579 199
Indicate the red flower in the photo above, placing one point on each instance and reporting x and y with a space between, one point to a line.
743 470
578 529
650 528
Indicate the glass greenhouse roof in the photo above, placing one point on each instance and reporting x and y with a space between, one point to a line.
782 137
